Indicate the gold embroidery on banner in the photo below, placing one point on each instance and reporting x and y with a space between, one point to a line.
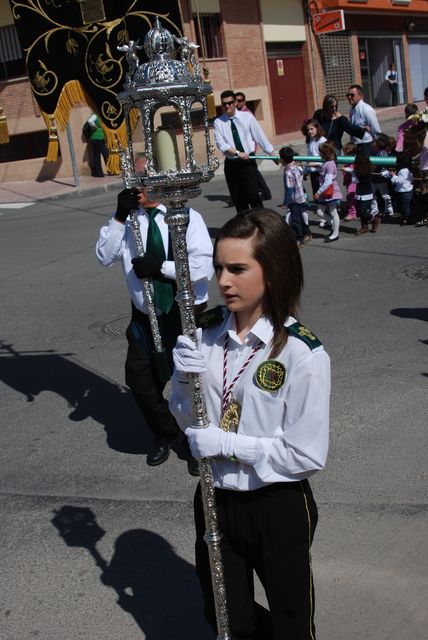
72 46
110 113
102 69
42 80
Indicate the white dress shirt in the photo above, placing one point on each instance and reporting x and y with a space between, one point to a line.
250 133
402 181
116 242
363 114
286 431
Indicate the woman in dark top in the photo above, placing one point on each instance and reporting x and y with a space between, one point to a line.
334 124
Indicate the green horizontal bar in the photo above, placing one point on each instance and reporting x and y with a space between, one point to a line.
387 161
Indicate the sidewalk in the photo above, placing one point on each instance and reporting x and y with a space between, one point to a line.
28 191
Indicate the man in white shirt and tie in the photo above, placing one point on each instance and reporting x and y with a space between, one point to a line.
364 116
236 134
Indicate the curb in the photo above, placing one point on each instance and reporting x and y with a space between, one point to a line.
81 191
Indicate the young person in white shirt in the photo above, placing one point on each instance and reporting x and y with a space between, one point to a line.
266 380
237 134
116 243
402 181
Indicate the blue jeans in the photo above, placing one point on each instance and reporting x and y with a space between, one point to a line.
405 202
297 222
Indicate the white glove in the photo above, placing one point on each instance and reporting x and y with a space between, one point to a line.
210 442
187 357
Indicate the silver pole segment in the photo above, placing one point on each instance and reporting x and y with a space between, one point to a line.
127 166
177 219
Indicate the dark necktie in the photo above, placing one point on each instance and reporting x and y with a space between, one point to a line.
162 289
236 138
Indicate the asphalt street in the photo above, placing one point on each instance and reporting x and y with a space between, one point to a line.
96 544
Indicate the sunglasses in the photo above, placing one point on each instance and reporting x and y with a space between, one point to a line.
228 104
351 95
239 100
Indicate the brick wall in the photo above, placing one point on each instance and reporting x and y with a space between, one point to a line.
245 49
19 106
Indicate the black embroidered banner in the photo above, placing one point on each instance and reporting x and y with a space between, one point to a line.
65 40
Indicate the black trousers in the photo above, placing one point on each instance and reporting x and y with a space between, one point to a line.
99 148
141 375
243 183
268 531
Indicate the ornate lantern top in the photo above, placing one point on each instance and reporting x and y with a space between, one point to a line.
171 78
158 42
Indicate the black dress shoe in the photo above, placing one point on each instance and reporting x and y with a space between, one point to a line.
159 453
193 467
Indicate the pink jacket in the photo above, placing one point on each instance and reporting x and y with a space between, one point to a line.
328 175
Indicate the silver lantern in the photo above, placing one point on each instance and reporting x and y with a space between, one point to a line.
172 78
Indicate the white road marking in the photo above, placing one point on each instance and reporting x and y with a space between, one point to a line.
16 205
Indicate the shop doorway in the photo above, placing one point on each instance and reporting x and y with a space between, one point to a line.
376 54
418 56
288 90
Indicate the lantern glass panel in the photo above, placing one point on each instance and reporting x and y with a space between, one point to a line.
168 145
197 119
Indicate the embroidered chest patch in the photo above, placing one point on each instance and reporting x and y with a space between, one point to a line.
270 375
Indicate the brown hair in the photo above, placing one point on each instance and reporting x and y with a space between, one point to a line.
349 149
410 109
327 151
362 165
313 123
328 104
275 249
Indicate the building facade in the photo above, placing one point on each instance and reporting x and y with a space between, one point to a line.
266 48
377 33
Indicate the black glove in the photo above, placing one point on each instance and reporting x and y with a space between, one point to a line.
127 201
148 266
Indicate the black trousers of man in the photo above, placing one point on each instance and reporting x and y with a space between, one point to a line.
140 372
99 148
269 531
242 181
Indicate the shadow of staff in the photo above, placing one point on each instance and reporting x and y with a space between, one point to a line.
88 394
152 583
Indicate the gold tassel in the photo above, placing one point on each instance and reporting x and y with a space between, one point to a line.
114 137
53 146
74 93
212 111
4 131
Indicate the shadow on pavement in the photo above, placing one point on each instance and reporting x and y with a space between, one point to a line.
88 394
416 313
152 583
219 198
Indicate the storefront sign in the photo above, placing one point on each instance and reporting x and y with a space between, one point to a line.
328 21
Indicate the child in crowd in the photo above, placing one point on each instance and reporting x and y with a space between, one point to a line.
349 149
295 196
329 193
363 169
382 148
409 110
314 135
402 179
